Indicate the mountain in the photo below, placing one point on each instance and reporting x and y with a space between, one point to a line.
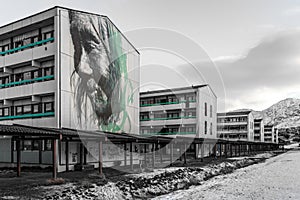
284 114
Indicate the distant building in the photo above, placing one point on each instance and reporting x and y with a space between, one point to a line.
269 133
238 125
276 137
187 111
258 130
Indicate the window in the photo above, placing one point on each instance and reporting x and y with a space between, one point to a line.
47 145
18 44
49 107
19 110
36 73
210 111
5 48
35 145
26 41
27 109
19 77
34 39
27 75
205 127
205 109
4 80
210 128
36 108
48 35
5 112
49 71
27 145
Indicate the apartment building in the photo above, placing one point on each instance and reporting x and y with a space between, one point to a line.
64 68
269 133
187 111
237 125
258 130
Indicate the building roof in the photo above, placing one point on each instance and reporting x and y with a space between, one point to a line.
246 112
61 7
258 119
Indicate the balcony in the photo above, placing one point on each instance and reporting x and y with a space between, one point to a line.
27 46
232 123
167 106
169 121
36 115
25 82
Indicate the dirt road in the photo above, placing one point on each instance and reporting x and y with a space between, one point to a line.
277 178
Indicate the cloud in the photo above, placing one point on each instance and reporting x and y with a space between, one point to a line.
268 73
292 11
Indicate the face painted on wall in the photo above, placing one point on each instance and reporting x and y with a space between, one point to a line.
98 66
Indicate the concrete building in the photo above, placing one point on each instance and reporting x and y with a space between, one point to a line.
258 130
269 133
63 68
237 125
187 111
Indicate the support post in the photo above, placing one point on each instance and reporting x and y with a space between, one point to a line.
202 152
131 157
67 155
54 159
100 158
215 150
221 149
84 155
18 158
40 152
153 155
230 150
196 153
81 154
184 154
161 153
145 154
12 150
125 154
171 154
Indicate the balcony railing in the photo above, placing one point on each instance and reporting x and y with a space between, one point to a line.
169 118
26 81
47 114
167 103
27 46
171 133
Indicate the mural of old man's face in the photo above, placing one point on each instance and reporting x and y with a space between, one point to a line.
100 76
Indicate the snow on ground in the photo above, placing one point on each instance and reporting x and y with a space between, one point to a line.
277 178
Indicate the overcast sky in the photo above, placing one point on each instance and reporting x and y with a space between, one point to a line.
254 44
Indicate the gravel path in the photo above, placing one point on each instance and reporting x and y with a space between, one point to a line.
277 178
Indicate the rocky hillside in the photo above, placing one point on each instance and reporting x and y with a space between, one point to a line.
284 114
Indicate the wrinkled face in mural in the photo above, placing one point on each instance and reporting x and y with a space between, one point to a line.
98 64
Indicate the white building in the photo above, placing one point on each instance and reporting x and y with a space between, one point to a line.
63 68
237 125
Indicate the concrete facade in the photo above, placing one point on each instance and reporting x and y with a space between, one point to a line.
189 112
48 79
236 125
258 130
